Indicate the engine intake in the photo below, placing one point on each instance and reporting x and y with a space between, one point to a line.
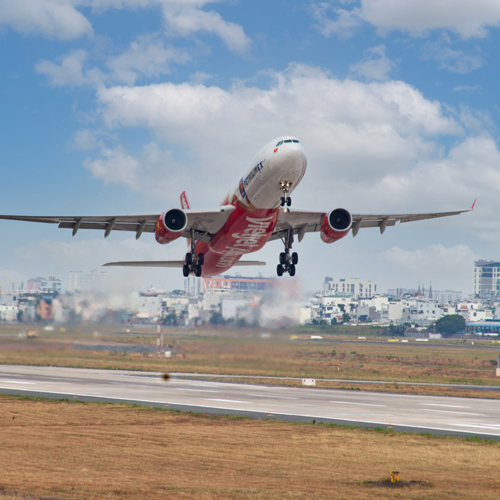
170 225
335 225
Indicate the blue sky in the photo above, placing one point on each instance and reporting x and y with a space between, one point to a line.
116 106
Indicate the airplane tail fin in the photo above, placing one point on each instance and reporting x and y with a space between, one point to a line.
184 201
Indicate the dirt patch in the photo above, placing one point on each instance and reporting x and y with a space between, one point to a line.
387 483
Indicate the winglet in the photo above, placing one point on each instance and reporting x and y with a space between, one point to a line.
472 208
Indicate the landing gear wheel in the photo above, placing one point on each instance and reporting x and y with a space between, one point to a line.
291 270
201 259
282 258
185 270
283 201
295 258
288 201
279 270
189 259
197 270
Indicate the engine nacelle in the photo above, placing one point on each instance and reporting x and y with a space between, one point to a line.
170 225
335 225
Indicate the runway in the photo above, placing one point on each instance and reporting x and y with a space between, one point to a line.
433 414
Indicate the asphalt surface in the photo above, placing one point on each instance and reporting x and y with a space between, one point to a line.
439 415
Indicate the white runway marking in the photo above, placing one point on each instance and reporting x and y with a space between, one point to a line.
445 406
16 382
454 412
229 401
479 426
273 397
351 403
188 389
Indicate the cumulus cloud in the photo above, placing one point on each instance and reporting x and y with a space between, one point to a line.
53 18
416 17
61 19
375 65
393 121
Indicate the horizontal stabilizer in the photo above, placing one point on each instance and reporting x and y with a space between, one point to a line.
147 263
173 263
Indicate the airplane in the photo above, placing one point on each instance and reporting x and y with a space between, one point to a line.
256 210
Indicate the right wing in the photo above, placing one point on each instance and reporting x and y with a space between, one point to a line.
306 221
204 223
173 263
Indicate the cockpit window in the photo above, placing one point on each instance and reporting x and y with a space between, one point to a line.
279 144
295 140
288 140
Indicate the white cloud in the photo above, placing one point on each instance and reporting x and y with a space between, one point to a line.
416 17
445 267
154 173
392 121
467 88
53 18
344 24
71 70
457 61
186 21
146 56
375 65
61 19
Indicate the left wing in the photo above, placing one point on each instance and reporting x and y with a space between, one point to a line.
304 221
204 223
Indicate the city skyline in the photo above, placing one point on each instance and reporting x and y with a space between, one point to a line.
117 107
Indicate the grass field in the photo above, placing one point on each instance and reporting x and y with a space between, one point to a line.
244 352
73 450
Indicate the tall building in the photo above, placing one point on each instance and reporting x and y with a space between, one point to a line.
354 287
487 279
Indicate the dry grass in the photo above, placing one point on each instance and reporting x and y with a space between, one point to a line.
245 353
94 451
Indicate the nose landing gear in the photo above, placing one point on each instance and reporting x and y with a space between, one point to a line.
192 261
285 199
287 261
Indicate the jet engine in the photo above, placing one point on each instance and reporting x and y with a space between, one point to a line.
335 225
170 225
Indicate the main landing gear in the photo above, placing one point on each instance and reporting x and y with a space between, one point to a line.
192 261
286 201
287 261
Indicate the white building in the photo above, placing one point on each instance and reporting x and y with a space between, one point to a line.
354 287
421 311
